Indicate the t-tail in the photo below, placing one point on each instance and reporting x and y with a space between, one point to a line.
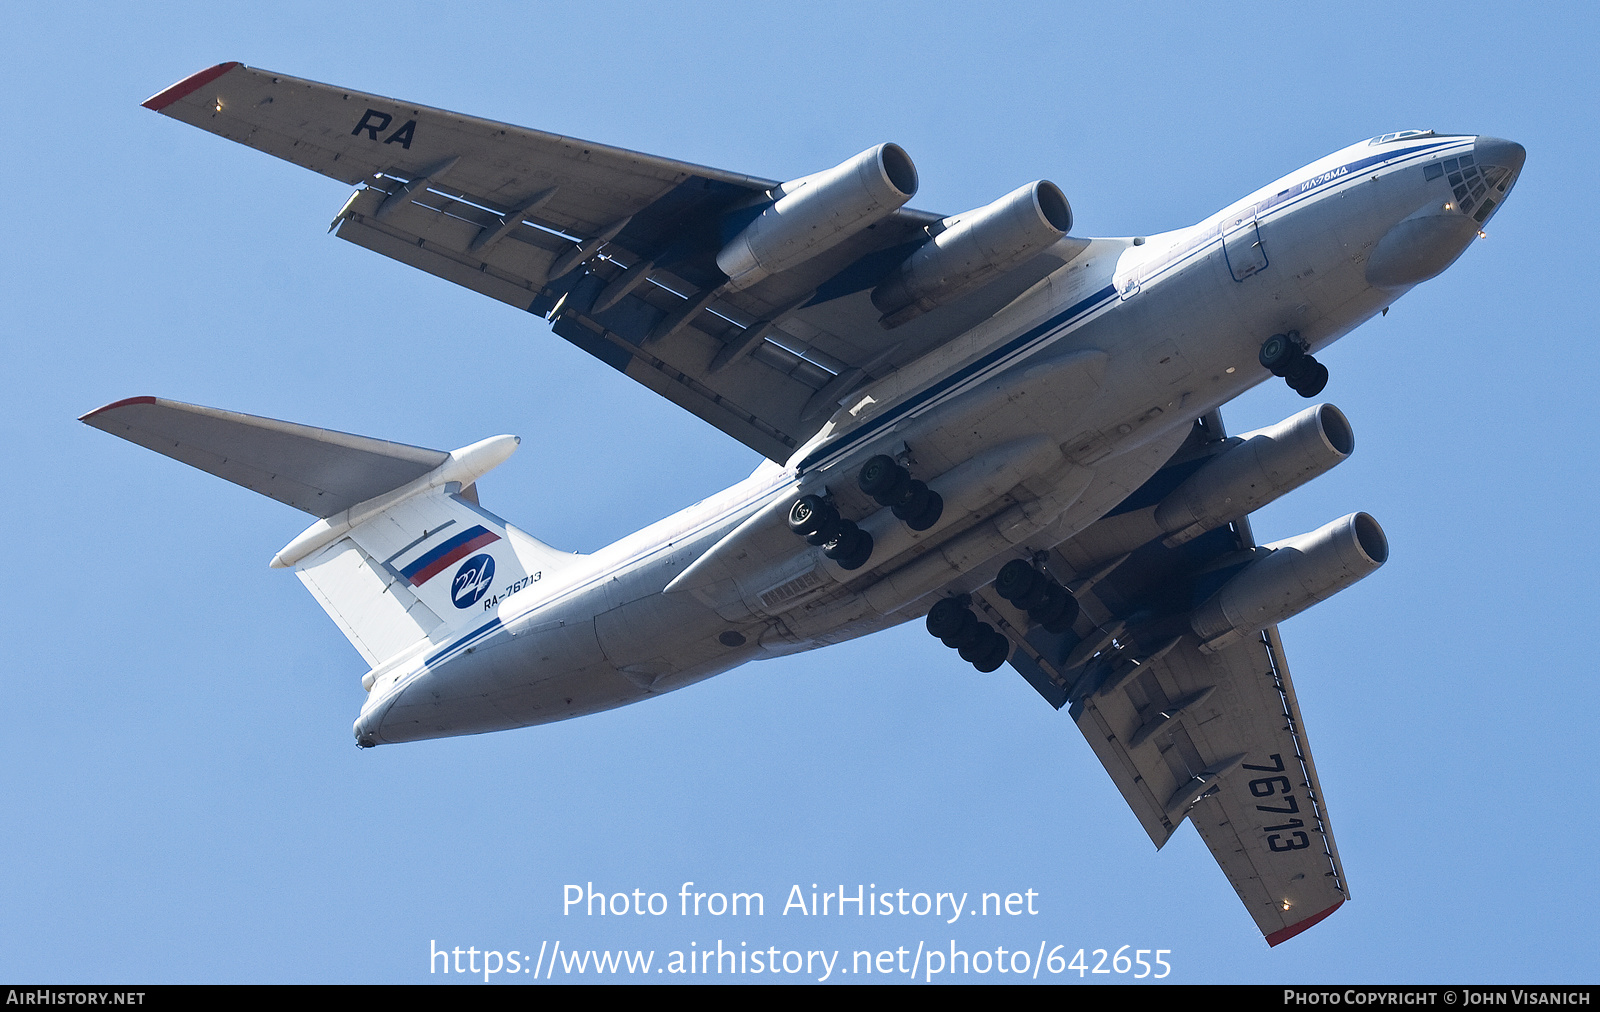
401 557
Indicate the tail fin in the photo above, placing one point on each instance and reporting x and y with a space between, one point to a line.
416 569
402 553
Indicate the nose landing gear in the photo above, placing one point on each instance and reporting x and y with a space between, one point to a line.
1285 355
979 643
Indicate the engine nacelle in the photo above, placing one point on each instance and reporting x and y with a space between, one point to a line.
1269 463
817 212
973 249
1294 575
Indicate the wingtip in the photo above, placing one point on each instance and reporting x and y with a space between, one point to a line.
161 99
1284 934
116 404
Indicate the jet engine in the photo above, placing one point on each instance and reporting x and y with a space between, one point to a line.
817 212
1289 577
1268 463
969 250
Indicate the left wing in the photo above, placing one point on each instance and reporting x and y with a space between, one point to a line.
1205 730
616 248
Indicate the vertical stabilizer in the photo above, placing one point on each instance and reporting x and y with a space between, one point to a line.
421 569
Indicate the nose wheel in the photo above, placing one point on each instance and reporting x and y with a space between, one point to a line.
1285 355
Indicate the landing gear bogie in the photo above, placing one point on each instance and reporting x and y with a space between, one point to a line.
889 484
947 617
1056 610
998 653
1309 377
1016 580
818 521
1280 352
883 479
813 516
1047 603
851 546
1288 356
979 643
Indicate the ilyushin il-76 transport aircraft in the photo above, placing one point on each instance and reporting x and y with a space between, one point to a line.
978 420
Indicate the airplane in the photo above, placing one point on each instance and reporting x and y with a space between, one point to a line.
978 420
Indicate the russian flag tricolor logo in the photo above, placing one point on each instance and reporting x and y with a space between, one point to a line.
439 558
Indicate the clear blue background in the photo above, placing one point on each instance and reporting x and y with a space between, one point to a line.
183 801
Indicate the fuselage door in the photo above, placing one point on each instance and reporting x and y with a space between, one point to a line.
1241 245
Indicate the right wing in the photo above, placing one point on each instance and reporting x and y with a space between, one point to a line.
510 212
1212 736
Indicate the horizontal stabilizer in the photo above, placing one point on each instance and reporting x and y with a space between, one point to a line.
316 470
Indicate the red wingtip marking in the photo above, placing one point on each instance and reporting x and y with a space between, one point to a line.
161 100
116 404
1285 934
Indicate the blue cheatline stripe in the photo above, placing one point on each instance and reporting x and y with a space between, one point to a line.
468 640
1297 193
973 370
1339 172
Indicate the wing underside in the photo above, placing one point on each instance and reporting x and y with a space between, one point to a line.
1212 737
320 471
615 248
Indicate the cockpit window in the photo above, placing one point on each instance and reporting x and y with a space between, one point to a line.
1400 135
1471 184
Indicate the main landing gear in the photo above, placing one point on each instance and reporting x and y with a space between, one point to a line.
1045 600
1047 603
979 643
817 520
1286 355
889 484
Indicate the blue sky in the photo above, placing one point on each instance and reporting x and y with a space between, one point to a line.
184 801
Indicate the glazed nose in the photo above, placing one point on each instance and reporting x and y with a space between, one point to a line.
1504 153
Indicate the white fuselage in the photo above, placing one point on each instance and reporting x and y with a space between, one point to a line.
1041 420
